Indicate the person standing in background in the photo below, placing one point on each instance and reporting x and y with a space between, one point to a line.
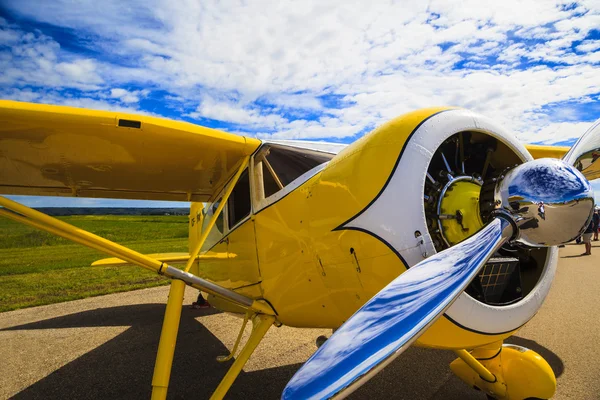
200 302
587 238
596 221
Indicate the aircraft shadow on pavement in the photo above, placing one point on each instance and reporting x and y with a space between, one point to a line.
123 366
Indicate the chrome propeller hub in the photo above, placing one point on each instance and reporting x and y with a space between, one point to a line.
549 200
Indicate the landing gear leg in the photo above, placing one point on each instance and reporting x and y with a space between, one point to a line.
168 338
260 325
518 373
320 341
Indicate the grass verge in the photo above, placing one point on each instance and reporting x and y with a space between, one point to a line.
37 268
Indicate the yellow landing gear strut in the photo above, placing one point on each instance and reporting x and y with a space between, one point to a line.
264 316
505 372
260 325
168 338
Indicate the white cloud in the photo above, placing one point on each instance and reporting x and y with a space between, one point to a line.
79 71
588 46
302 101
229 111
268 68
559 132
34 59
99 102
128 96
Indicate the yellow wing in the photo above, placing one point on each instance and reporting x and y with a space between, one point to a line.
64 151
538 151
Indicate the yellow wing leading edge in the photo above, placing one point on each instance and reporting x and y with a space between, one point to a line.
539 151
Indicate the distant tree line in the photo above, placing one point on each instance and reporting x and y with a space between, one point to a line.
59 211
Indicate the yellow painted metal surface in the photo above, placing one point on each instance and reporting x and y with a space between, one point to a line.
306 267
291 274
472 362
290 253
168 339
496 388
232 262
527 374
171 258
195 251
309 272
538 151
260 326
444 334
463 197
242 269
519 373
196 220
65 151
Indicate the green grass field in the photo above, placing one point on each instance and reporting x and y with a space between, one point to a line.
39 268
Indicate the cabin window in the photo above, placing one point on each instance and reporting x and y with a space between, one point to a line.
217 231
290 163
271 185
238 204
275 167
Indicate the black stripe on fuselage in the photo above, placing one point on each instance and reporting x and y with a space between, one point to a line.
389 178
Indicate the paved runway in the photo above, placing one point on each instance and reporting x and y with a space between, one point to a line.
104 347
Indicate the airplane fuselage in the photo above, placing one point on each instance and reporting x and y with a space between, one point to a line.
338 235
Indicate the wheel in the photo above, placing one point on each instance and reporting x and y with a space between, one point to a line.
321 340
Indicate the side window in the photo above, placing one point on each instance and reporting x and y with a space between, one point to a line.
275 167
216 233
238 204
272 186
289 164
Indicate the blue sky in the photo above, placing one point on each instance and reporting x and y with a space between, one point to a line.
309 70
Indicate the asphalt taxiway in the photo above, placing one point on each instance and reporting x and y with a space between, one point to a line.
104 347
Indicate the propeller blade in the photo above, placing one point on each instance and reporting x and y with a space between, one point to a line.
395 317
585 153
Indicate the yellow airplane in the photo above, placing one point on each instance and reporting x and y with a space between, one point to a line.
438 228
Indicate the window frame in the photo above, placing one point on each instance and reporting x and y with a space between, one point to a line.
247 217
259 203
225 220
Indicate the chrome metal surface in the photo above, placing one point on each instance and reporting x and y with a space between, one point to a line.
446 163
431 178
207 286
550 201
388 323
585 154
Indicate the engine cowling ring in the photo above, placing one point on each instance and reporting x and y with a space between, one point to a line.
468 312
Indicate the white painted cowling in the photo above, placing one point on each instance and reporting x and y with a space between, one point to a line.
398 228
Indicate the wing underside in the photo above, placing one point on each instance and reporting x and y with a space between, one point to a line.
64 151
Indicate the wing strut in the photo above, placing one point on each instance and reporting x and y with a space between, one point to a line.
213 219
25 215
264 316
